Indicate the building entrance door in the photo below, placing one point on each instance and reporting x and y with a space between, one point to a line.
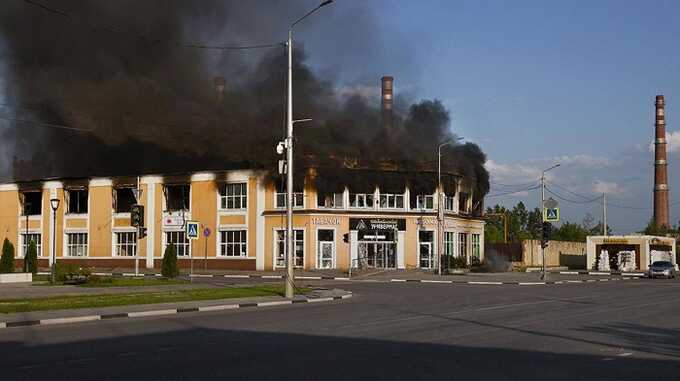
426 260
379 255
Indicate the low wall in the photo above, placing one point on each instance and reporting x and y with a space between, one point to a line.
558 253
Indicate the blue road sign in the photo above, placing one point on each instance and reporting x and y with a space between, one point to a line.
192 229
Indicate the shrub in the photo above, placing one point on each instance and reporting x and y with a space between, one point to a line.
7 259
71 273
459 262
31 259
169 268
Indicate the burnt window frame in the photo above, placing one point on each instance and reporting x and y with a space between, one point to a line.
69 200
167 193
117 202
332 198
24 202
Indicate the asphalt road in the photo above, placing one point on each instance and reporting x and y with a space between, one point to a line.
622 330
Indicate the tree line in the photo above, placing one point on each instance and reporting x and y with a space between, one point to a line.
527 224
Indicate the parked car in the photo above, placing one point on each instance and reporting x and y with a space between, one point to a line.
663 269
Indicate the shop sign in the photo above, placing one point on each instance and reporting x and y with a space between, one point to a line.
325 221
173 221
373 224
622 241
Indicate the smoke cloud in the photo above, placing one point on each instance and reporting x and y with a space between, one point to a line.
108 88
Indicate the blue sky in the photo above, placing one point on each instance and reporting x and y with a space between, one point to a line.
532 82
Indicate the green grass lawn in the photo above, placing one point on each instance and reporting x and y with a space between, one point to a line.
90 301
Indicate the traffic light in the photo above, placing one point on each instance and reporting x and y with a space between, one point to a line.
545 234
137 215
345 238
141 232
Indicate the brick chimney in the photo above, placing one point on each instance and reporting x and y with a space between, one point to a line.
387 99
661 217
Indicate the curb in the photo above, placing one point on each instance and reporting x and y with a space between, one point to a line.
607 273
488 283
166 312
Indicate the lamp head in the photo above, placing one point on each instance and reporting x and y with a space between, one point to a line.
54 203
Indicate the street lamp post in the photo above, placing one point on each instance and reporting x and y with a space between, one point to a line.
440 210
290 250
54 203
137 192
545 275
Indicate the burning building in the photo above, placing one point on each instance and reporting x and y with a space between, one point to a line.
346 214
198 129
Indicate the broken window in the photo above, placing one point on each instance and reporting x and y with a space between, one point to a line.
330 200
77 201
463 203
177 197
32 203
125 198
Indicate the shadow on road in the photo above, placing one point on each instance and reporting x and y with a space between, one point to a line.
641 337
200 353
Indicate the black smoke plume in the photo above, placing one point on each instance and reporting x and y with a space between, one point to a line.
110 88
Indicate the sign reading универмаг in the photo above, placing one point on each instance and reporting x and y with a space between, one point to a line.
373 224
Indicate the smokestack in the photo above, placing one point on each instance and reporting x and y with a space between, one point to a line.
220 84
660 166
387 99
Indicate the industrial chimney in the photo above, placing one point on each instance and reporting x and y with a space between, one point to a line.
387 100
660 167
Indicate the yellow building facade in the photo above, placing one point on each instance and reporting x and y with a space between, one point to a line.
242 223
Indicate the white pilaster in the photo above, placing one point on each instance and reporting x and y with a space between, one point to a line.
259 226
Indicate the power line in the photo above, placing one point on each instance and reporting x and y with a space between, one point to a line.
146 39
571 192
512 192
47 125
589 201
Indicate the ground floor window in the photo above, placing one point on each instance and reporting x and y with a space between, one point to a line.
476 249
462 244
76 244
298 244
449 243
179 239
27 238
326 248
126 244
233 243
425 242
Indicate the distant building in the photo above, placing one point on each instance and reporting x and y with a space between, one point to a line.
628 252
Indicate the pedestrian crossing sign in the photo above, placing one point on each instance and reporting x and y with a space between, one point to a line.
551 214
192 229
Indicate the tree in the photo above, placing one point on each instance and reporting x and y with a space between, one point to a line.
571 232
7 259
169 267
31 259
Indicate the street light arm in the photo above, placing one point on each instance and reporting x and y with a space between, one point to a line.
323 4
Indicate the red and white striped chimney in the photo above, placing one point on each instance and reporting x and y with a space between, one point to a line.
387 100
661 217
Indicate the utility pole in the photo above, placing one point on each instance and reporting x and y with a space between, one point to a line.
545 274
290 250
604 214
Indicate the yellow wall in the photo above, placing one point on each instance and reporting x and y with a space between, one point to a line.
252 217
9 213
101 213
204 210
158 200
237 219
